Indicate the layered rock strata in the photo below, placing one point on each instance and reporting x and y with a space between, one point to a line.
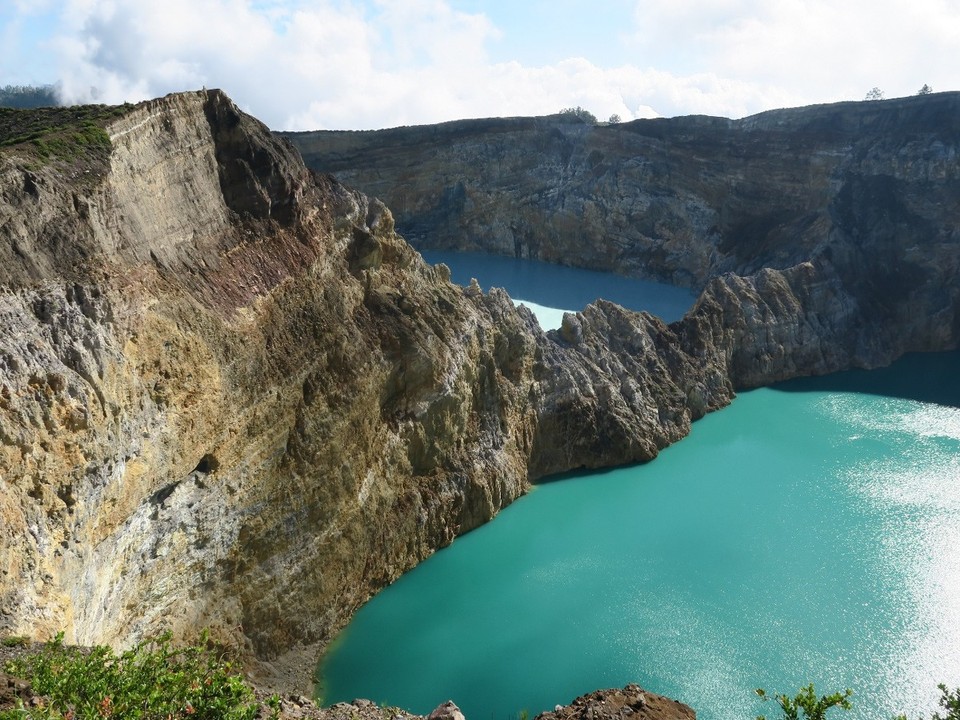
231 396
678 199
866 192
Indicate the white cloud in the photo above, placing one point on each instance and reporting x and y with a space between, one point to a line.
32 7
277 59
820 50
302 64
431 33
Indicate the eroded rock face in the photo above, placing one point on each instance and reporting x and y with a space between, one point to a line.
227 413
854 203
679 199
233 397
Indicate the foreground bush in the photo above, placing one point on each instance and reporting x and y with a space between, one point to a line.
153 681
807 705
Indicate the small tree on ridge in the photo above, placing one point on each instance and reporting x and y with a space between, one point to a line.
579 112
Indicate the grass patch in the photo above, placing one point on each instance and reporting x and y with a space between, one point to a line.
153 681
74 136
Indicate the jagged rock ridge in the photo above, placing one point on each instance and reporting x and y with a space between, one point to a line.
232 396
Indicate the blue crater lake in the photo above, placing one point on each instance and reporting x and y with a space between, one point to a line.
808 533
550 290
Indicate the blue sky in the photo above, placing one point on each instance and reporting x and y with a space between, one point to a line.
539 32
357 64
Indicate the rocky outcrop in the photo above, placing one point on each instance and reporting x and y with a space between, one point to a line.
206 403
231 396
866 192
619 704
677 199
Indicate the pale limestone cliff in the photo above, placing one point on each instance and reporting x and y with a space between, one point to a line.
233 397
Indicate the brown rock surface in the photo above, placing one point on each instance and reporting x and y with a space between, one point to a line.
621 704
233 397
14 692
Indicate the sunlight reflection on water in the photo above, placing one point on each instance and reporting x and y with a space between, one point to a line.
548 317
916 487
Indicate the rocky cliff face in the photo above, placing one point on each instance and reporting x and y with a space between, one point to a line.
866 192
232 396
679 199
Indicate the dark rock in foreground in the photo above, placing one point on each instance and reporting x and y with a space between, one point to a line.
630 702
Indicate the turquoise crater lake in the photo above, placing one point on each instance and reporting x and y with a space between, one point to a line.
808 533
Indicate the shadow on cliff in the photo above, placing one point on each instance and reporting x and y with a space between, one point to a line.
581 473
926 377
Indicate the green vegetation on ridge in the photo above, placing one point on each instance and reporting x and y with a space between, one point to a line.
74 135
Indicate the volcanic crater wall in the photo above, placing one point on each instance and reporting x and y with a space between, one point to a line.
231 396
870 187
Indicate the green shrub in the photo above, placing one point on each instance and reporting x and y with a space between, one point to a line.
580 113
73 139
814 708
807 702
153 681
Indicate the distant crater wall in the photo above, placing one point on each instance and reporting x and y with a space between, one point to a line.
681 199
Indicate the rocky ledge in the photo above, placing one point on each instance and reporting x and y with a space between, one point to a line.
628 703
233 397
